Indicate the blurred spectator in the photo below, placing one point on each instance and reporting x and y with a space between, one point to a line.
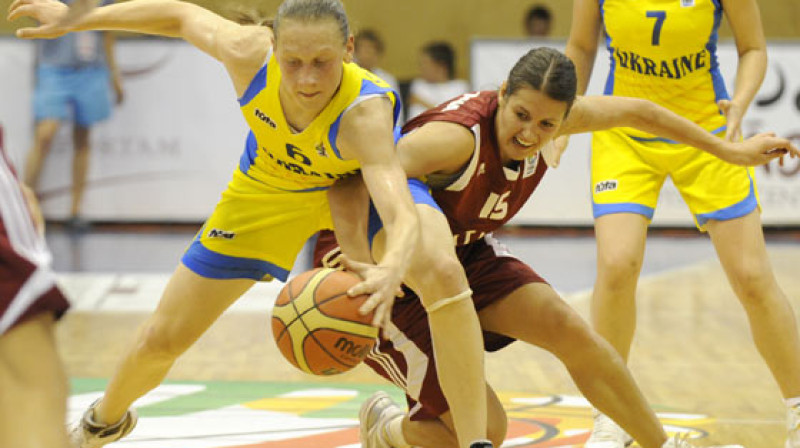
436 83
74 77
368 54
538 21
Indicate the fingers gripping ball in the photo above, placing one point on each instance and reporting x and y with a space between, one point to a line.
317 326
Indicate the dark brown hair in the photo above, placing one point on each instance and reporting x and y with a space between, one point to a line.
546 70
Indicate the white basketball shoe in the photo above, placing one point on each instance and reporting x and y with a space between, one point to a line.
374 415
607 434
680 441
86 433
793 427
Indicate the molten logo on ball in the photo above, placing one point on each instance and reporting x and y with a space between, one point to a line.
317 325
356 351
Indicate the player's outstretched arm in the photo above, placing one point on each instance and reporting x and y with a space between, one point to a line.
366 134
242 49
594 113
349 203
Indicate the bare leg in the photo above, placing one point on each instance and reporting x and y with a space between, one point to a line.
743 254
80 167
42 142
439 433
620 252
33 402
189 305
437 275
598 371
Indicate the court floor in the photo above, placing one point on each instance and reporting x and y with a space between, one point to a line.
692 356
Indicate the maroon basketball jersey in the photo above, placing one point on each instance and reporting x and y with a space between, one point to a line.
486 194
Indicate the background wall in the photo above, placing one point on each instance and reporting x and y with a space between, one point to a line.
407 24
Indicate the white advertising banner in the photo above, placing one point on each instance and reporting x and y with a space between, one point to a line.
169 149
165 154
564 197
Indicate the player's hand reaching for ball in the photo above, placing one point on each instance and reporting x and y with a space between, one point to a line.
49 13
381 283
759 149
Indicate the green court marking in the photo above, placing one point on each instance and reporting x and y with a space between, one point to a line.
218 394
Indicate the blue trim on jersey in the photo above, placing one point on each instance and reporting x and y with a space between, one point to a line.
210 264
420 193
720 93
624 207
333 132
741 208
367 88
672 142
256 85
250 153
612 66
398 133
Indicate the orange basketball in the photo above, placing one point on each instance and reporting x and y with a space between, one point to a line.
317 326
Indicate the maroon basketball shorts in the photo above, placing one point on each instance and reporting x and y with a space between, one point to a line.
404 353
27 284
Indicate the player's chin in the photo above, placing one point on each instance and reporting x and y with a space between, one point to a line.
520 153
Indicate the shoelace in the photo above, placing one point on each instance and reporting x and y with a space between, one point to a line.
793 423
606 429
795 411
681 440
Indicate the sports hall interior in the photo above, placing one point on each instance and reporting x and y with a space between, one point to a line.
692 356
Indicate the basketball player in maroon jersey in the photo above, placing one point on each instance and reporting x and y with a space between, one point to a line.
480 156
33 385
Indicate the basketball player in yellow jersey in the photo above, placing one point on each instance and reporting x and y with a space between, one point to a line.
314 118
665 51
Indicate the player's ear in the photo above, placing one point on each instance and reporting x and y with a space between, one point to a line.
503 89
501 93
349 48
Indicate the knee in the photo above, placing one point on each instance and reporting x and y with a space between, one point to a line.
618 265
157 342
754 288
437 276
44 141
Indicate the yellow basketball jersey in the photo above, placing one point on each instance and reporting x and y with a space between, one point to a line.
308 160
665 51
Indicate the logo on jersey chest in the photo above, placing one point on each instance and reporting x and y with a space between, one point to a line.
531 163
263 117
606 185
225 234
687 3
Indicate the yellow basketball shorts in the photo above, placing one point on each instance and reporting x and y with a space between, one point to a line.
256 231
628 173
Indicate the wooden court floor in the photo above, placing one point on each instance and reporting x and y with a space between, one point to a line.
692 353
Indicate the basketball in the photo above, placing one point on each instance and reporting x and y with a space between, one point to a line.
316 325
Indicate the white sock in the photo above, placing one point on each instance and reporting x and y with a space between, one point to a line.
394 432
792 402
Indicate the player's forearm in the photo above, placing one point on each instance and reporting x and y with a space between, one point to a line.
156 17
399 216
749 76
402 237
583 58
657 120
349 203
